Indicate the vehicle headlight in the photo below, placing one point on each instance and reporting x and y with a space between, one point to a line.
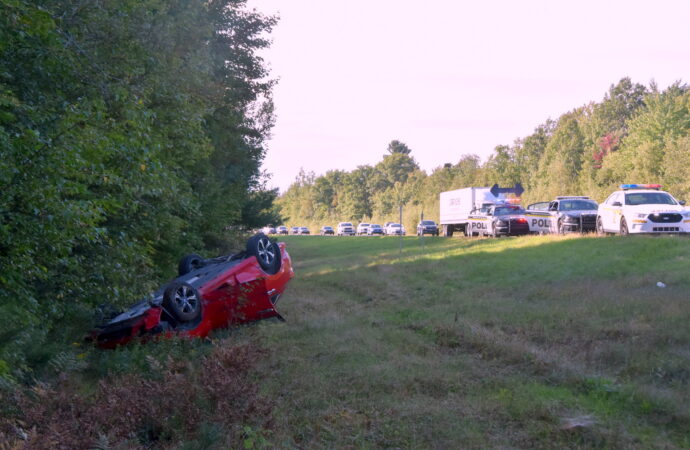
571 219
686 214
501 222
641 216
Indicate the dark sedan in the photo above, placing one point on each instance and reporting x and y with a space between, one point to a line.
427 227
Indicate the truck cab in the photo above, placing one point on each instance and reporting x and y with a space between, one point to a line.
456 207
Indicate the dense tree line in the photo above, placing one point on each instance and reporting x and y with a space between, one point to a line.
131 132
636 134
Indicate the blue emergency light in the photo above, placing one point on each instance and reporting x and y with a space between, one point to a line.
641 186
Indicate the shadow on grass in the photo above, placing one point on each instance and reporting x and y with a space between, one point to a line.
554 312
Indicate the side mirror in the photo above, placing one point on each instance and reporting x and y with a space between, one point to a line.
682 202
616 204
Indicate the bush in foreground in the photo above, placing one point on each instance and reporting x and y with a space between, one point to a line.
211 401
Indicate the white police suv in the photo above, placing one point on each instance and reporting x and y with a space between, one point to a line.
642 208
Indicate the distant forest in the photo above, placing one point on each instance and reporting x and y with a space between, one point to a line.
636 134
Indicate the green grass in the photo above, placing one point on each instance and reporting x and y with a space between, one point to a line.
520 342
534 342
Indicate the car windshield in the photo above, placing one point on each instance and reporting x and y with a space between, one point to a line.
504 210
363 224
649 198
395 225
574 205
376 226
428 222
346 224
327 228
541 206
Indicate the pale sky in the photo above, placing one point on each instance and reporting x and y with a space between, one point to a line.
450 78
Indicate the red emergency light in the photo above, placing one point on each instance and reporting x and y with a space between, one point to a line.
640 186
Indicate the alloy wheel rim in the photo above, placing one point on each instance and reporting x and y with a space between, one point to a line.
186 299
266 253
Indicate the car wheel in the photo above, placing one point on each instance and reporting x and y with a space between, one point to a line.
624 227
266 253
183 301
600 226
561 230
468 230
189 263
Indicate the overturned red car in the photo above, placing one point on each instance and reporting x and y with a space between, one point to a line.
207 294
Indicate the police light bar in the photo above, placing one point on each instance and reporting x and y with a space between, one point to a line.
641 186
513 201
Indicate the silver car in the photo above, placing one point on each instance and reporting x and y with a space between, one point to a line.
565 214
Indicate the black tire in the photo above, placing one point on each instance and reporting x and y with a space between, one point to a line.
600 227
624 227
267 253
468 230
189 263
561 230
183 301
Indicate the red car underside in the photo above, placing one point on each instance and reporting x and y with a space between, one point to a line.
236 293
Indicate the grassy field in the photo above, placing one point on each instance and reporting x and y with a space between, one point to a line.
520 342
532 342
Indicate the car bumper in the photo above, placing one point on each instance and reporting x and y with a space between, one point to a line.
512 231
659 228
575 227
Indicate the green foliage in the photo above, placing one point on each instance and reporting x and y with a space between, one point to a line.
130 133
395 146
634 135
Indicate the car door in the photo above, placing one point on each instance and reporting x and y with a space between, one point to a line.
611 211
489 223
539 218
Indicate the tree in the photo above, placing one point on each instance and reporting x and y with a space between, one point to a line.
560 165
394 168
130 132
357 191
396 146
661 125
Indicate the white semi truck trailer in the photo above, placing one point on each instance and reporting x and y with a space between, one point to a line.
457 205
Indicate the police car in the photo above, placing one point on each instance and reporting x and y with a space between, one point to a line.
563 215
642 208
500 219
